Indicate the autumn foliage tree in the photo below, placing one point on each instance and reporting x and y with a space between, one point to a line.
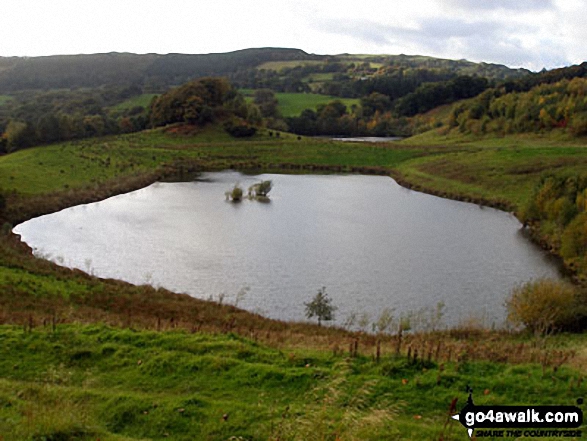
557 211
544 107
203 101
197 102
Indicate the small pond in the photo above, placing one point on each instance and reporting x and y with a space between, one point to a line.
372 243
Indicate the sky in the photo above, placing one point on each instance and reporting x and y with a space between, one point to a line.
533 34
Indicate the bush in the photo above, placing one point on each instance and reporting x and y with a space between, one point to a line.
260 189
544 306
239 128
235 195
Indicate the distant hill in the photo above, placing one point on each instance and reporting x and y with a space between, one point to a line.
461 67
156 73
56 98
152 71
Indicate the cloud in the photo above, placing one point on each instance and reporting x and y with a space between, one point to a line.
491 40
440 28
512 42
512 5
363 30
529 33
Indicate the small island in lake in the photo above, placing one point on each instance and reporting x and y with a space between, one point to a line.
257 192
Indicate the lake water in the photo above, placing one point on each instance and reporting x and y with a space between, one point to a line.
370 242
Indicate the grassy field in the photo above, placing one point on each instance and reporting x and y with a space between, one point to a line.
136 101
315 80
95 382
292 104
319 77
4 99
496 169
81 163
279 65
87 358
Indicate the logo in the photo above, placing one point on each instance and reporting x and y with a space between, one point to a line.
515 421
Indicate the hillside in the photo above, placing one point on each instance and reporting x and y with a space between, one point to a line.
545 103
155 73
58 98
151 71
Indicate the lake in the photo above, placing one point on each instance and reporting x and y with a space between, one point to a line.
372 243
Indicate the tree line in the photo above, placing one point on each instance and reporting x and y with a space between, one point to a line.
558 209
33 118
391 103
379 114
544 107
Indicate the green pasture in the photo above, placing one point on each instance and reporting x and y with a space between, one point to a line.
94 382
78 164
4 99
292 104
280 65
143 100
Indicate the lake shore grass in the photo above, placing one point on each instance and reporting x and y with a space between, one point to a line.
98 382
134 362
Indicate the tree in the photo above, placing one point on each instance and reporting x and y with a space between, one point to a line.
236 194
239 128
18 134
321 307
196 102
375 102
267 102
48 128
260 189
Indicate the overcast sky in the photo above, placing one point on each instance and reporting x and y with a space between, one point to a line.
518 33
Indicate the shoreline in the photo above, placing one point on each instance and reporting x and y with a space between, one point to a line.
184 170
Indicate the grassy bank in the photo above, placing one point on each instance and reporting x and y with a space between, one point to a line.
87 358
504 170
90 382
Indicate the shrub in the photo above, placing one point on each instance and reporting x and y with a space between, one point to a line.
239 128
261 189
236 194
544 306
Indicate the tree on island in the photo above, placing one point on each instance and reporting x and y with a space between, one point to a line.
235 195
321 307
260 190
